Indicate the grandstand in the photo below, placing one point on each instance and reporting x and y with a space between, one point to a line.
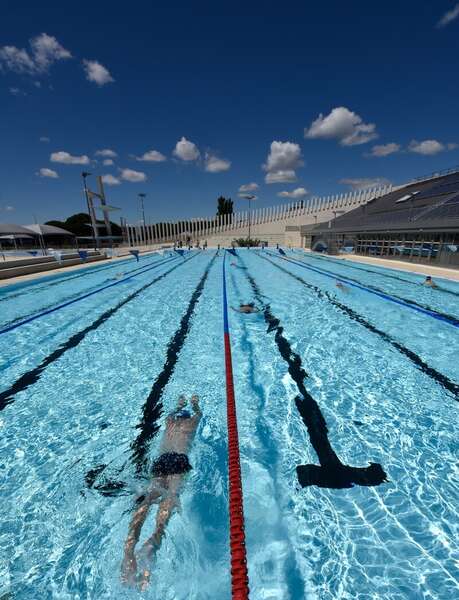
417 222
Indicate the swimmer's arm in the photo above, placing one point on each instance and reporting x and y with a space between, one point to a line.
195 405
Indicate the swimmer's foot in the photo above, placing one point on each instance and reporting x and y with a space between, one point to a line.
145 558
129 570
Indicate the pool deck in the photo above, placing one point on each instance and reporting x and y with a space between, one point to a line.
400 265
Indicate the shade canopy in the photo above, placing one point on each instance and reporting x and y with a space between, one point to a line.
13 229
39 229
16 236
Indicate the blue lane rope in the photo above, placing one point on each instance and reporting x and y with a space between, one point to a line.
225 304
64 304
424 311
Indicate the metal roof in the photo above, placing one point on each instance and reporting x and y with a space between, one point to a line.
426 205
13 229
39 229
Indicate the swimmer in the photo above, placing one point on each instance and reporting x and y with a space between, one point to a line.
340 285
118 276
247 308
168 472
429 282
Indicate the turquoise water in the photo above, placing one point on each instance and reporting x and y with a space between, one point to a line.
74 384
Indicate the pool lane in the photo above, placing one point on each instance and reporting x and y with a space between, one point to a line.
418 295
91 412
15 290
84 296
386 272
408 303
376 405
440 378
43 298
32 376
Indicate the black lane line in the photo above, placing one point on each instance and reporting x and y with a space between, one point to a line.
417 360
153 407
43 286
434 312
67 298
344 263
32 376
331 473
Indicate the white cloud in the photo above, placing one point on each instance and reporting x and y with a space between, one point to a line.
107 162
9 208
249 187
44 172
186 150
96 72
285 176
283 155
106 152
17 92
44 139
213 164
110 180
365 182
151 156
449 16
452 146
384 149
426 147
283 159
45 51
295 194
344 125
67 159
252 197
132 176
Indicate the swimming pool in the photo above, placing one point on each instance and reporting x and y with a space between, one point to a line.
92 362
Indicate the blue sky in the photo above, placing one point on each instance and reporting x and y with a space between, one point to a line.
313 97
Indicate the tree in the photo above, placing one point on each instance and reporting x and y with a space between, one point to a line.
224 206
80 225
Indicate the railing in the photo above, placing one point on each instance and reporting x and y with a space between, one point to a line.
202 228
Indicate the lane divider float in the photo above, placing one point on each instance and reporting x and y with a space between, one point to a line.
239 574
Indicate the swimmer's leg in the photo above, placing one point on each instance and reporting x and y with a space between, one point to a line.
153 543
129 564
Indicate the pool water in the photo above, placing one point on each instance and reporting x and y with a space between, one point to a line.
92 362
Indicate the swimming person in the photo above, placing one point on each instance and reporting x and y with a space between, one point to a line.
340 285
247 308
168 472
429 282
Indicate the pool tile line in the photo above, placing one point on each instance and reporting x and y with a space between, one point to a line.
32 376
331 471
372 290
438 377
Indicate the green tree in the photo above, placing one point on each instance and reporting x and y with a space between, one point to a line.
224 206
80 225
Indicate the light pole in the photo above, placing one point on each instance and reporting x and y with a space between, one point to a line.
142 206
249 197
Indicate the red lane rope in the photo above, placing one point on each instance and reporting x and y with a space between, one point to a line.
239 575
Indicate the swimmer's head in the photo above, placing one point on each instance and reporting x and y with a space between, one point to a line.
428 278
